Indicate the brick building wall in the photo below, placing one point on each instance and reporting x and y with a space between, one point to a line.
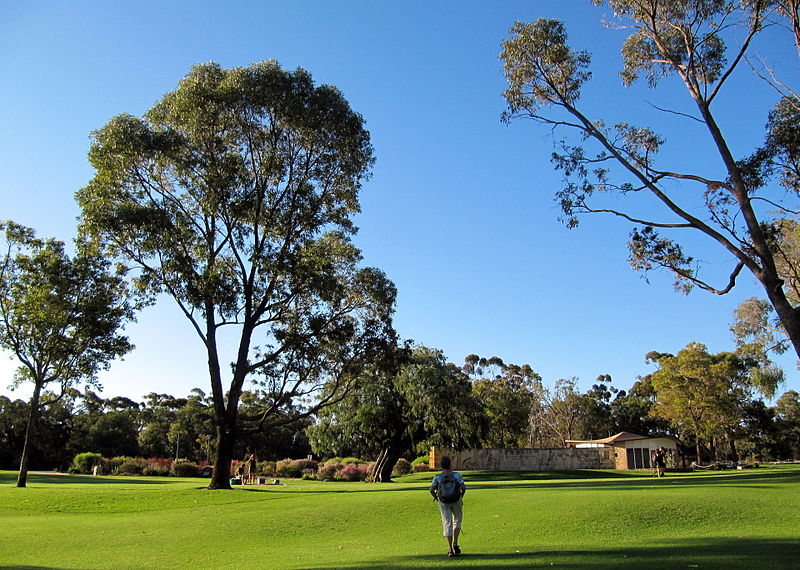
557 459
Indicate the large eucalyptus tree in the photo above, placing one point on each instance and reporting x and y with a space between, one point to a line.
234 195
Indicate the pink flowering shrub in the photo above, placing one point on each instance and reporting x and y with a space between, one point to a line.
353 472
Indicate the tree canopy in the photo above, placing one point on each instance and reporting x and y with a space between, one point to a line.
506 392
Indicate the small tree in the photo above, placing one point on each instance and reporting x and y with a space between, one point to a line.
59 316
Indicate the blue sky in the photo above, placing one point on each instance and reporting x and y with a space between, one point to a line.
459 212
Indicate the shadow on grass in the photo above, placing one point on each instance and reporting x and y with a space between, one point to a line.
10 478
689 553
497 480
29 568
478 476
735 478
612 481
594 480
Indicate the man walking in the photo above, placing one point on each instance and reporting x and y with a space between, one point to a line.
448 488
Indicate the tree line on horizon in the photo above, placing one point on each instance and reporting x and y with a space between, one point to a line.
484 403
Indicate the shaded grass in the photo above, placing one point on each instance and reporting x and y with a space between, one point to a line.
524 520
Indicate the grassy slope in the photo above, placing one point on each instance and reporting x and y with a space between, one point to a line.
581 520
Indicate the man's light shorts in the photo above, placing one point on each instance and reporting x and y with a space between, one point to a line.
451 516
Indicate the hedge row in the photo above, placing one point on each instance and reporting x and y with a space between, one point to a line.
155 466
334 469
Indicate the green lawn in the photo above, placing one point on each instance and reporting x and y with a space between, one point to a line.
588 519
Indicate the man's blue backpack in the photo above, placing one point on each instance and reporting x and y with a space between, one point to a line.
449 490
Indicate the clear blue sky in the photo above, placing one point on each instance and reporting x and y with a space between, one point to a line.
459 212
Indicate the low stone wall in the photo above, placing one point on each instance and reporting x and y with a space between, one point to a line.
558 459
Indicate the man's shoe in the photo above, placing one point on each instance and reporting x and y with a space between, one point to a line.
457 550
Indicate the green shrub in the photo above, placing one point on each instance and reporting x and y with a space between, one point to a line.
353 460
288 468
114 463
421 460
266 468
421 468
85 462
402 467
329 470
129 465
185 468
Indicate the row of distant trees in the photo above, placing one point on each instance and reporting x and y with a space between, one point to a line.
159 426
709 402
712 403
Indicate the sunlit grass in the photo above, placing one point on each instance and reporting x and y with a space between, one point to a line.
591 519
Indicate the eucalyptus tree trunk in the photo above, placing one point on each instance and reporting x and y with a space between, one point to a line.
733 451
22 478
225 428
220 477
387 459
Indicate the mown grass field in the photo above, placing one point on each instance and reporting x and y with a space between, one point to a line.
588 519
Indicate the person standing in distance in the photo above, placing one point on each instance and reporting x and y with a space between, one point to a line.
448 488
658 462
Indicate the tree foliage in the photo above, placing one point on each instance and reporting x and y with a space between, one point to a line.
234 196
631 410
787 412
704 395
410 404
160 426
506 392
557 415
748 211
